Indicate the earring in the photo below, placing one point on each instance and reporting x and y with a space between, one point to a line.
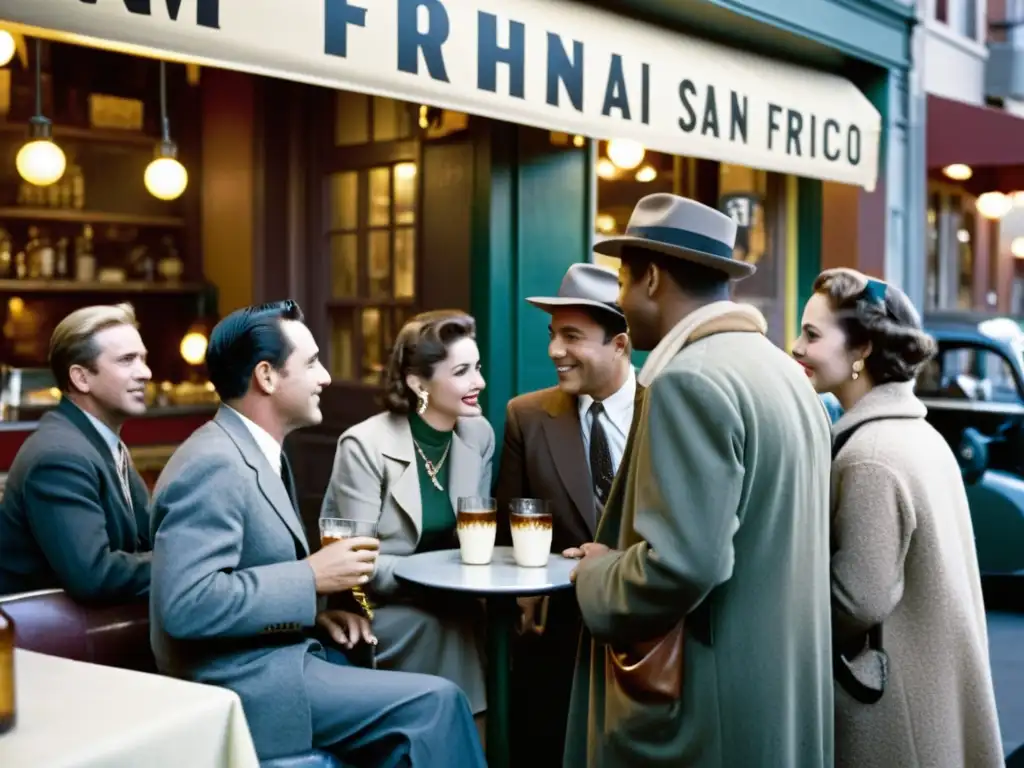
424 400
858 366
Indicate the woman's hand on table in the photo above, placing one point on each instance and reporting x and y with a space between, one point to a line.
346 629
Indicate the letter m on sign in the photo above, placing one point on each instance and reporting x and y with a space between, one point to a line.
207 12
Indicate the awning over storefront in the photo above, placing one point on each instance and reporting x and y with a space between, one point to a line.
989 141
551 64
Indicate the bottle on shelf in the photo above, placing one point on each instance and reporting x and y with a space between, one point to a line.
62 259
40 254
85 258
6 255
8 700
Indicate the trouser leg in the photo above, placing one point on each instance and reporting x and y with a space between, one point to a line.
390 719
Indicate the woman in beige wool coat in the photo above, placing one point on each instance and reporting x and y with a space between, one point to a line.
902 542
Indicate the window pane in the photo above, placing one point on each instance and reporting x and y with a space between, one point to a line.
405 193
405 263
379 268
344 266
342 352
373 343
969 373
344 199
391 119
379 203
351 119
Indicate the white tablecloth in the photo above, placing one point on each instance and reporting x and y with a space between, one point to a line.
76 715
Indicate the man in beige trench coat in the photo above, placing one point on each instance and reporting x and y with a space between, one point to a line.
718 517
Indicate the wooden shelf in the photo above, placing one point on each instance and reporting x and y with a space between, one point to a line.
112 136
73 216
73 286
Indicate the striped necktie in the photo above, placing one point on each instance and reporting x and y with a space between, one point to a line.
602 472
122 474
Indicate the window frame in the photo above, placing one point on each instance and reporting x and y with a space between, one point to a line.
362 159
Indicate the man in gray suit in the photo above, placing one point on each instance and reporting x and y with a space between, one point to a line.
235 590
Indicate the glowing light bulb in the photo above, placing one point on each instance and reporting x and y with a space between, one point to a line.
626 153
193 347
958 171
166 178
993 205
41 162
7 47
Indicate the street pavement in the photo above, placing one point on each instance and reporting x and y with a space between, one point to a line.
1006 650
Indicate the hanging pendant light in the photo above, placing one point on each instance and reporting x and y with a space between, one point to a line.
165 177
40 161
8 47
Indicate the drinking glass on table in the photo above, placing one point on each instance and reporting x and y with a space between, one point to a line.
334 529
476 523
530 521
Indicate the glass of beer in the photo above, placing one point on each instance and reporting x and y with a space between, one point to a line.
334 529
476 524
530 521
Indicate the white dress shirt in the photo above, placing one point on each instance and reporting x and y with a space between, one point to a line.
268 446
615 419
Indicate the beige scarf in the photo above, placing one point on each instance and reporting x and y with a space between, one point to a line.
701 322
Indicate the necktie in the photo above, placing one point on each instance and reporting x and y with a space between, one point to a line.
289 481
601 471
122 474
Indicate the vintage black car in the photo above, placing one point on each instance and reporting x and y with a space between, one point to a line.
974 391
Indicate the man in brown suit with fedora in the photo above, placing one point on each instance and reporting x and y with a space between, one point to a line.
564 444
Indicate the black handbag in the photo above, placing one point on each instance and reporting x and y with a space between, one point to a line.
865 674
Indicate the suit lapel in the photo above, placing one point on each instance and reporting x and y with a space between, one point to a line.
562 430
270 483
80 421
397 445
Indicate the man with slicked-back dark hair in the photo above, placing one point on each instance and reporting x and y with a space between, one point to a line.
239 601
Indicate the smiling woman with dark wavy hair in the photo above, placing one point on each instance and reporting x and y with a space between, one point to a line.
913 681
404 469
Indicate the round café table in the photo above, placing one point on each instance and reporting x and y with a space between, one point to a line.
499 583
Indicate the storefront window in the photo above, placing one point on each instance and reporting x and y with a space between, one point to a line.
753 198
954 226
933 291
965 254
372 201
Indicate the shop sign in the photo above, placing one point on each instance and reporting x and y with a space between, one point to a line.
553 64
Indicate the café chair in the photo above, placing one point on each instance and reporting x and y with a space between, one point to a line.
48 621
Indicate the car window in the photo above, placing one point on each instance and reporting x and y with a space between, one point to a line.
968 373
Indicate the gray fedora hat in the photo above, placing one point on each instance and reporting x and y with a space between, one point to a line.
584 285
678 226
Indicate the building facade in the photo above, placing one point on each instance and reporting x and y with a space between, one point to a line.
970 62
375 160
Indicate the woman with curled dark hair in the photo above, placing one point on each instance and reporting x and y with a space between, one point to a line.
913 681
404 469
